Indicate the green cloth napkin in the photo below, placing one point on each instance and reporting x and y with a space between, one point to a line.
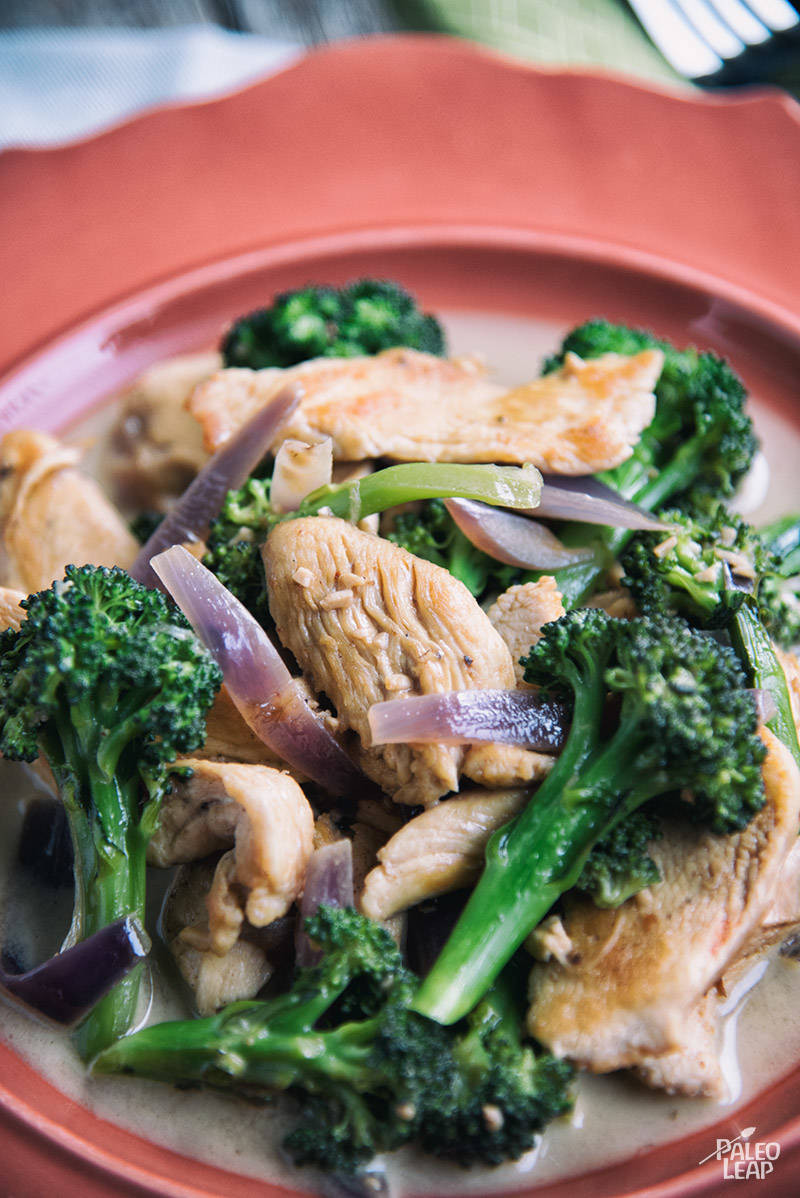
583 33
587 33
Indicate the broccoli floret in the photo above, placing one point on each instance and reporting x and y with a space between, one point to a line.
504 1091
699 445
233 546
108 684
620 865
685 570
686 723
367 1072
717 571
364 317
431 533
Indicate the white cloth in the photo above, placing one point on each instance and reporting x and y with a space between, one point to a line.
60 84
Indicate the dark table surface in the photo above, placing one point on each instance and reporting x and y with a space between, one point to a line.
305 21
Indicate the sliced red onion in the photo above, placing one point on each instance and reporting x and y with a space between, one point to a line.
329 883
227 470
300 468
766 708
257 680
69 985
511 538
507 717
590 501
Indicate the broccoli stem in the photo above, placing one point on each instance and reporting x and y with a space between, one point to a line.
756 652
110 861
510 486
530 862
225 1052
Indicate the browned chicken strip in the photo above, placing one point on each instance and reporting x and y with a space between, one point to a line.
266 817
639 971
368 621
51 514
440 850
415 407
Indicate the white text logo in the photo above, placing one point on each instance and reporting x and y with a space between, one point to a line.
745 1161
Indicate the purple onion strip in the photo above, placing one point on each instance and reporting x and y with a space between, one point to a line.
66 988
505 717
228 469
590 501
513 539
329 882
256 677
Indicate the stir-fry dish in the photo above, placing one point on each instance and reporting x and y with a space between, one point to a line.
465 717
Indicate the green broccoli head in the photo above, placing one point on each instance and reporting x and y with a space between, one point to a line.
364 317
432 534
687 570
505 1090
686 719
101 649
233 546
368 1074
620 864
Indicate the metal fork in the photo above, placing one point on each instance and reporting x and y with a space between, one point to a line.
722 42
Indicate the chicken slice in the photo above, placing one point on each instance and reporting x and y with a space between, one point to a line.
693 1069
639 971
440 850
499 766
265 816
214 980
51 514
11 614
368 621
520 613
413 407
155 447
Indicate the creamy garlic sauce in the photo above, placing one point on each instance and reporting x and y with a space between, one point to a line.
614 1116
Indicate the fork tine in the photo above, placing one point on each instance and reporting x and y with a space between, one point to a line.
777 15
742 21
711 27
677 40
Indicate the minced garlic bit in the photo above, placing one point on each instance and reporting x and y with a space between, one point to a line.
550 941
492 1116
666 546
397 682
737 562
351 580
303 576
336 599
